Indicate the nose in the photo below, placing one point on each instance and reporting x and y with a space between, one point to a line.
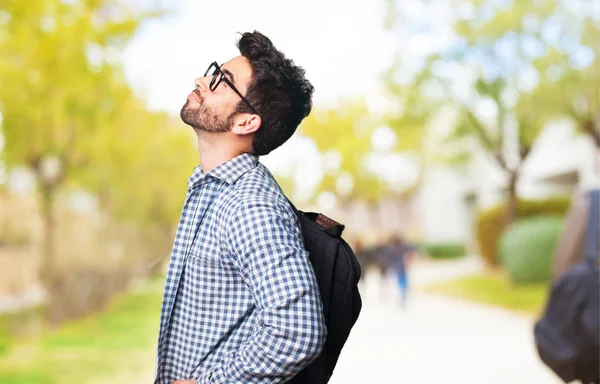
202 83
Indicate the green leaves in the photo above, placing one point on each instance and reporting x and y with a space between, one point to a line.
525 64
64 95
343 136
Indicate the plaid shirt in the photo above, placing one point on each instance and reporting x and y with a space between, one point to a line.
241 301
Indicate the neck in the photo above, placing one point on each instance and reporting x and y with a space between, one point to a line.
215 149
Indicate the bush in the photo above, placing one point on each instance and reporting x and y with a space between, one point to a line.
444 250
490 223
527 248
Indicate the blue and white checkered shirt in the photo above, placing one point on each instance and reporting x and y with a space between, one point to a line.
241 301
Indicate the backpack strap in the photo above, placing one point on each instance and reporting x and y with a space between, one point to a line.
592 235
328 225
291 204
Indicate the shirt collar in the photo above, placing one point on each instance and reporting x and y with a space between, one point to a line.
228 172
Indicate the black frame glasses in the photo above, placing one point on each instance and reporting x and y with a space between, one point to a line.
218 76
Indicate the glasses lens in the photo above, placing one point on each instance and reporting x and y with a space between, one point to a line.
213 70
216 80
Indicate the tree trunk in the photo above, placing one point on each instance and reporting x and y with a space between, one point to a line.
48 262
592 129
512 198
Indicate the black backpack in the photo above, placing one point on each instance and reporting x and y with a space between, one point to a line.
338 272
568 334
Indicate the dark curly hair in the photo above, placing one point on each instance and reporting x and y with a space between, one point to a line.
278 91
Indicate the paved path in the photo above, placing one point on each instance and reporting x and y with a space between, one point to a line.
438 339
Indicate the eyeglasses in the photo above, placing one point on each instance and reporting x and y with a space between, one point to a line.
218 76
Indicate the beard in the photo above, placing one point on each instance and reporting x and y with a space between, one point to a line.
204 118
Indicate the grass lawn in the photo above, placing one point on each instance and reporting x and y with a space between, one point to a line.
115 346
495 288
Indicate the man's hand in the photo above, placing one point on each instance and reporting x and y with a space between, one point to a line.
183 382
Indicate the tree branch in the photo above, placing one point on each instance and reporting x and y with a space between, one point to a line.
478 128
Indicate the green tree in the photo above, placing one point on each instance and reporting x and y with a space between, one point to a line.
570 68
413 110
343 136
523 62
61 85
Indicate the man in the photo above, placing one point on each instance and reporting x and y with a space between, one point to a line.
241 301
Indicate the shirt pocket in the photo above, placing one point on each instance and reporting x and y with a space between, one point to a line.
204 255
207 257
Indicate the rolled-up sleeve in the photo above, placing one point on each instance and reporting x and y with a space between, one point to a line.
266 243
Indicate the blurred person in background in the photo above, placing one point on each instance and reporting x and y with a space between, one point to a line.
401 256
241 301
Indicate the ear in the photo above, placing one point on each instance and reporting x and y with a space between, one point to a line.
246 123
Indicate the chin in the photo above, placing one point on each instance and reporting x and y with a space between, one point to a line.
186 106
188 116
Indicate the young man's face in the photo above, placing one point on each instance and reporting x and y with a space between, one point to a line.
212 111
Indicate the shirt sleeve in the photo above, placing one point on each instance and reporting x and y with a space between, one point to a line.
266 242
